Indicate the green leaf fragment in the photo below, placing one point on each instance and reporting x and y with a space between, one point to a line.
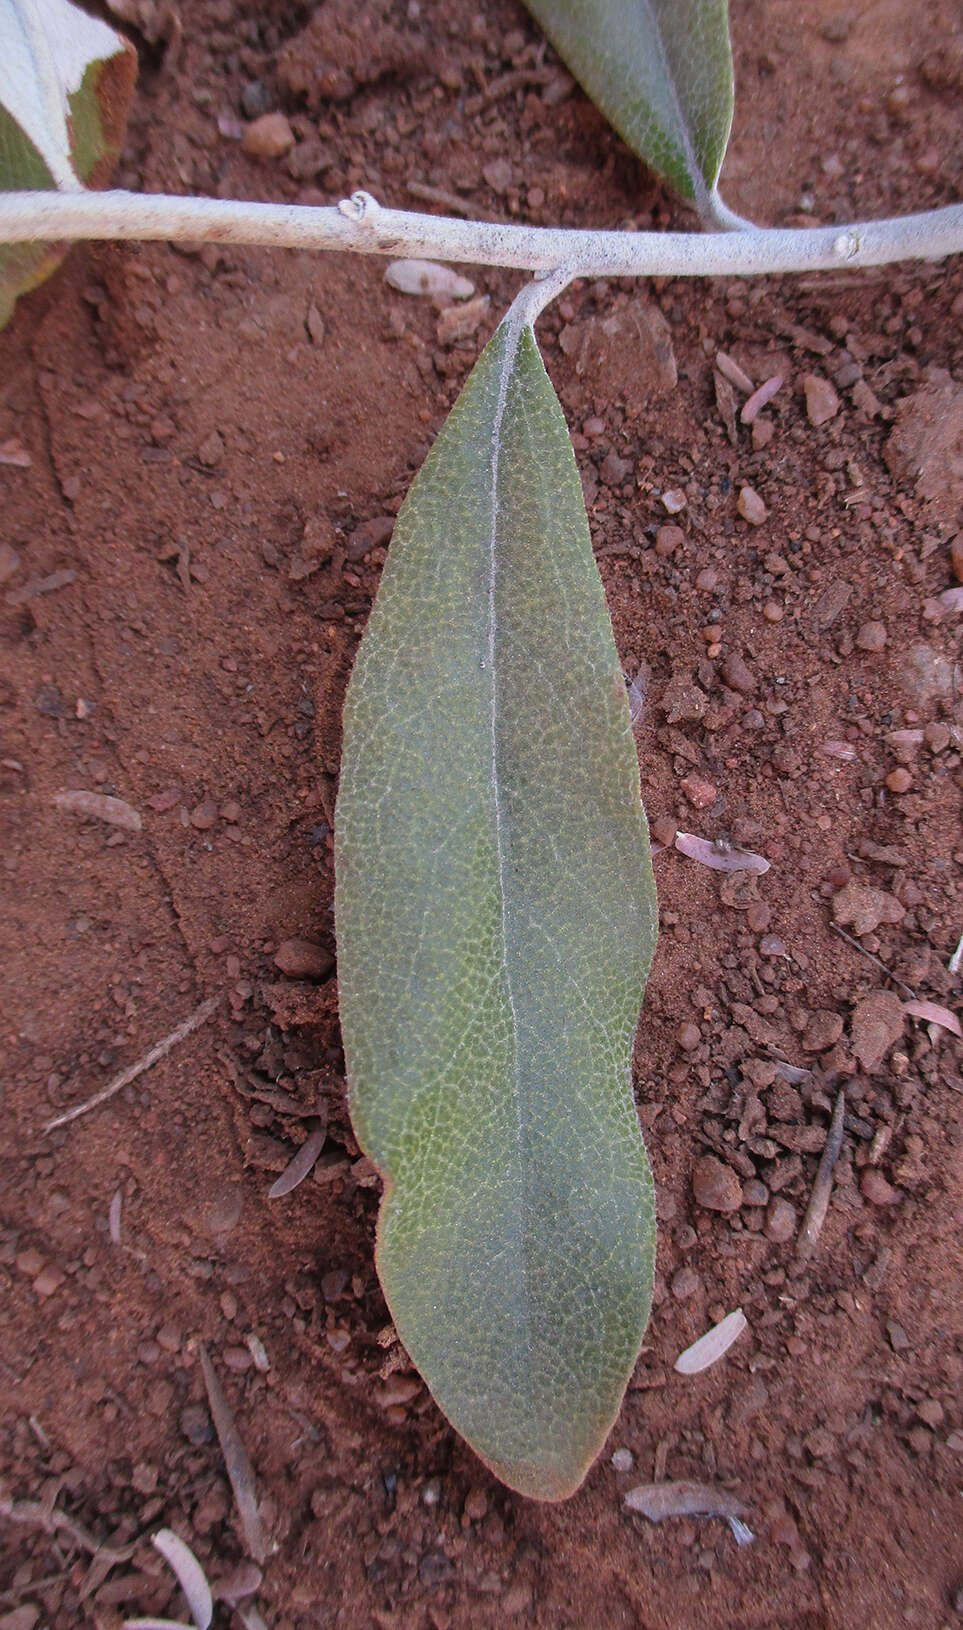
661 72
66 84
496 918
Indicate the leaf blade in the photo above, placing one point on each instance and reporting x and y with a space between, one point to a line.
661 72
495 914
66 83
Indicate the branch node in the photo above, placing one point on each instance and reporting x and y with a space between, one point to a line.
847 245
360 207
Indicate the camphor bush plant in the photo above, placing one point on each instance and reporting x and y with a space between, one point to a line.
495 904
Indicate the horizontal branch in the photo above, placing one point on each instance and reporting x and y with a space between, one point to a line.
360 226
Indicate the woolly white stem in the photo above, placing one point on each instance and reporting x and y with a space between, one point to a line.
360 226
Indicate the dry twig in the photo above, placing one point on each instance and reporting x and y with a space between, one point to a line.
819 1199
871 958
235 1460
157 1052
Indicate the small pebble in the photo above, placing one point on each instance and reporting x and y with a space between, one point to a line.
871 636
822 403
689 1037
9 561
664 829
668 539
899 780
674 500
763 431
751 507
773 611
898 1339
684 1284
737 675
781 1221
195 1425
614 469
211 450
758 917
398 1389
255 100
715 1185
303 959
754 1193
956 557
823 1030
931 1412
874 1188
268 137
237 1359
205 815
623 1460
700 792
48 1280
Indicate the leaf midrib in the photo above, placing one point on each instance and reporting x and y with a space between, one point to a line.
513 334
700 188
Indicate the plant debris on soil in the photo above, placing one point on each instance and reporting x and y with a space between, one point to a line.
202 452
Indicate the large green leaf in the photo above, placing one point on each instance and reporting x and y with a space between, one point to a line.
661 71
496 919
66 83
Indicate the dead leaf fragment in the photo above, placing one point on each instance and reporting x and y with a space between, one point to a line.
14 452
877 1023
720 860
726 403
190 1575
710 1347
934 1013
660 1500
98 806
236 1462
428 277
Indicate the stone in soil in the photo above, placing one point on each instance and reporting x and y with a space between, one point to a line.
871 636
823 1030
750 506
781 1221
737 674
668 539
874 1187
268 137
877 1023
303 959
700 792
204 816
684 1284
822 403
683 701
715 1185
925 449
864 908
